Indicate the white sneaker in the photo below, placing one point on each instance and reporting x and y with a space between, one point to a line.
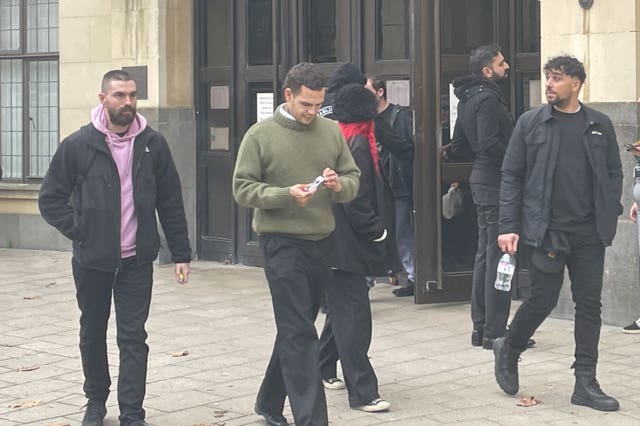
374 406
334 384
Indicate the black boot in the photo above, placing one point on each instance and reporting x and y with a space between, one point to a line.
95 413
587 392
506 365
476 335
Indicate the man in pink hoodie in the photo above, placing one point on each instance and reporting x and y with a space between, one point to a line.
102 191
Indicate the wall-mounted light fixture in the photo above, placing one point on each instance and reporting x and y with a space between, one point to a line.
585 4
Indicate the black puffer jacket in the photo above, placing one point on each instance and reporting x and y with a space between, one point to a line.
80 196
365 218
529 165
485 124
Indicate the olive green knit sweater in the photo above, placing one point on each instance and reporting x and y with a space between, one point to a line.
279 152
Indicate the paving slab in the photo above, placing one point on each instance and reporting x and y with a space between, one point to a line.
223 318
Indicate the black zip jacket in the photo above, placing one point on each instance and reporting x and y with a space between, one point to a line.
80 196
399 171
484 124
529 165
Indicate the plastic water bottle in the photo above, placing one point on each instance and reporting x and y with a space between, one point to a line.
506 269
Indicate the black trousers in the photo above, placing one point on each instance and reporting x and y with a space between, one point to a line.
297 272
131 291
489 307
347 335
585 263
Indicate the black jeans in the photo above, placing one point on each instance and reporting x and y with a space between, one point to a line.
347 335
297 272
131 290
489 307
585 263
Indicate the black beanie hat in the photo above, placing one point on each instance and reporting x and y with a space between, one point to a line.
355 103
345 74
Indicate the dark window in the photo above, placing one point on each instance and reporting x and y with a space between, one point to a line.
220 215
28 87
218 34
529 34
466 24
322 30
260 32
392 29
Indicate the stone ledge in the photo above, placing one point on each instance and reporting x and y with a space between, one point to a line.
20 191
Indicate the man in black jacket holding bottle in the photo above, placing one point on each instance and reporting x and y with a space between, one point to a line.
560 196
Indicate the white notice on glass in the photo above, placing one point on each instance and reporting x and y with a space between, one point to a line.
399 92
264 105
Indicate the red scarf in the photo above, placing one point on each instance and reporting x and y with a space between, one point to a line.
364 128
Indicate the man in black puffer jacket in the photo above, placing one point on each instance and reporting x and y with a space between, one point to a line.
484 125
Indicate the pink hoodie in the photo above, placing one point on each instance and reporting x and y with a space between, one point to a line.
122 152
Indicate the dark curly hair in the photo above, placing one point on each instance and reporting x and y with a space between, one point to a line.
568 64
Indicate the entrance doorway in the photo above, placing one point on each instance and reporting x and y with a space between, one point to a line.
245 47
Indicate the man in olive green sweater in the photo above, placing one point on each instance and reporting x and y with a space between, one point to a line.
278 159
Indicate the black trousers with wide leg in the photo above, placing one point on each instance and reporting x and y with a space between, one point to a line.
131 291
347 335
297 272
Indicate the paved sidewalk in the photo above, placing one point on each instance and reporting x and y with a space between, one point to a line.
223 319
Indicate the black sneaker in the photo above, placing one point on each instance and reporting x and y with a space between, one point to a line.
404 291
271 419
94 414
375 406
476 336
631 328
333 383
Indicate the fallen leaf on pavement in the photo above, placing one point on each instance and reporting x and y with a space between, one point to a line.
181 353
49 285
25 404
219 413
30 297
527 401
33 367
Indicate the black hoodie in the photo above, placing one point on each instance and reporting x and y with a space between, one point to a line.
485 124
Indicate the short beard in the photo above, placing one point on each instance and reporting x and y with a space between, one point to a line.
557 102
500 80
119 119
